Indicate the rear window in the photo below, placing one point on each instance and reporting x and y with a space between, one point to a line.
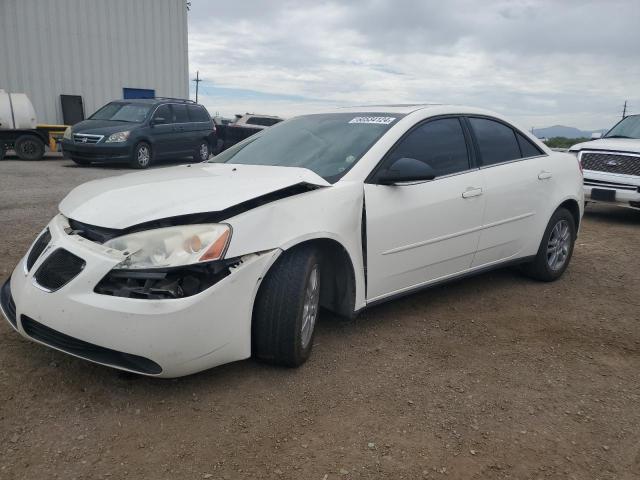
264 122
496 141
197 113
527 148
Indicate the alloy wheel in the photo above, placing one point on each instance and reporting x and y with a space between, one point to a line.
558 245
310 307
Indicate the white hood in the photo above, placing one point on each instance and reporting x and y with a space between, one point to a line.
630 145
123 201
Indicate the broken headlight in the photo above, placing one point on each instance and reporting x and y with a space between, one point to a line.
172 246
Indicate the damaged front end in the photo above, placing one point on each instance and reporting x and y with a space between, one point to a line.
158 284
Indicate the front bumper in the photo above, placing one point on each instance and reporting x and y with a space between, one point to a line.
96 152
625 187
181 336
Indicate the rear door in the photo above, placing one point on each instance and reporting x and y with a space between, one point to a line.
184 134
516 182
421 232
163 133
201 123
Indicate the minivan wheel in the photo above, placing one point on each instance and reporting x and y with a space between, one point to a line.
556 248
203 151
287 308
141 155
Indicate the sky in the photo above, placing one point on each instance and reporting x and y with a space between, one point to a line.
540 62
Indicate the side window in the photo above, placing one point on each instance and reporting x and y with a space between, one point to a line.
439 143
527 147
163 114
180 114
197 113
496 141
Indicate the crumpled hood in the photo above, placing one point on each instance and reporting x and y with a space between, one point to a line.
127 200
631 145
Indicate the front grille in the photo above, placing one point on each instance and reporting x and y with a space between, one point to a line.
38 247
87 350
602 184
6 300
611 163
58 269
86 138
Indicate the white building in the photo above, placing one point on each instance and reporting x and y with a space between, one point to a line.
96 50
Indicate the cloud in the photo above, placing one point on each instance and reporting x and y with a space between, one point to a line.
540 62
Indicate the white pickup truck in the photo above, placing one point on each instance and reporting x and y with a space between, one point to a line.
611 165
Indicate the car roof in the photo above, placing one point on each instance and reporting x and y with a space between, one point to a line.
405 109
155 101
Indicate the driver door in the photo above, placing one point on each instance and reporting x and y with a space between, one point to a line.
421 232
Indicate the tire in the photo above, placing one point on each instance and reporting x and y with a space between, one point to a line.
29 147
280 334
202 151
3 151
140 159
558 239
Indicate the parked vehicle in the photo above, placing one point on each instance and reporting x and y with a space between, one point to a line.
181 269
612 165
244 127
19 130
141 131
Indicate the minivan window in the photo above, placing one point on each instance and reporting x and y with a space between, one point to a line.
496 141
122 112
180 114
527 148
438 143
197 113
163 112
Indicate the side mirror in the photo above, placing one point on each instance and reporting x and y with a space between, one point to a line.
406 170
158 121
596 135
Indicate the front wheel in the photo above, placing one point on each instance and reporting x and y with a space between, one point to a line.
286 309
141 155
556 248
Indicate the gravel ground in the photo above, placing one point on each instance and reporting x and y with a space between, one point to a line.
491 377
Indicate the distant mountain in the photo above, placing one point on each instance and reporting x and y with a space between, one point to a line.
562 131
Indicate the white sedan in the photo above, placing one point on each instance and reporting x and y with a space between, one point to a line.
177 270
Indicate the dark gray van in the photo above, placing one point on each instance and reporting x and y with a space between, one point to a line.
141 131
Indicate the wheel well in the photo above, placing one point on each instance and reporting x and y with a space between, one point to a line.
574 209
337 280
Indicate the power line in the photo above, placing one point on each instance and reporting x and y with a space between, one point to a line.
197 80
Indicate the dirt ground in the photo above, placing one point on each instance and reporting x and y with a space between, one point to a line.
492 377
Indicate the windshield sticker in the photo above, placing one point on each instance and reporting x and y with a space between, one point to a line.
374 120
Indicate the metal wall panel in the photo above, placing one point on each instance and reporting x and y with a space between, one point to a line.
92 48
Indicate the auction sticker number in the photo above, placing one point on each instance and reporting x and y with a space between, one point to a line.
374 120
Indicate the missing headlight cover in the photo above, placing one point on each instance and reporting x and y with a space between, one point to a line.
165 283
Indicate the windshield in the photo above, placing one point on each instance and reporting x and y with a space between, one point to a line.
627 128
122 112
328 144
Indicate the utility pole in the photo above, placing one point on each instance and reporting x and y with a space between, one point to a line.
624 110
197 80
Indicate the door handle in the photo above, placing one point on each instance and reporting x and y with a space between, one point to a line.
472 192
544 175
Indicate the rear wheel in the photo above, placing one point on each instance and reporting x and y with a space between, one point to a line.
202 152
286 309
556 248
29 147
141 155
